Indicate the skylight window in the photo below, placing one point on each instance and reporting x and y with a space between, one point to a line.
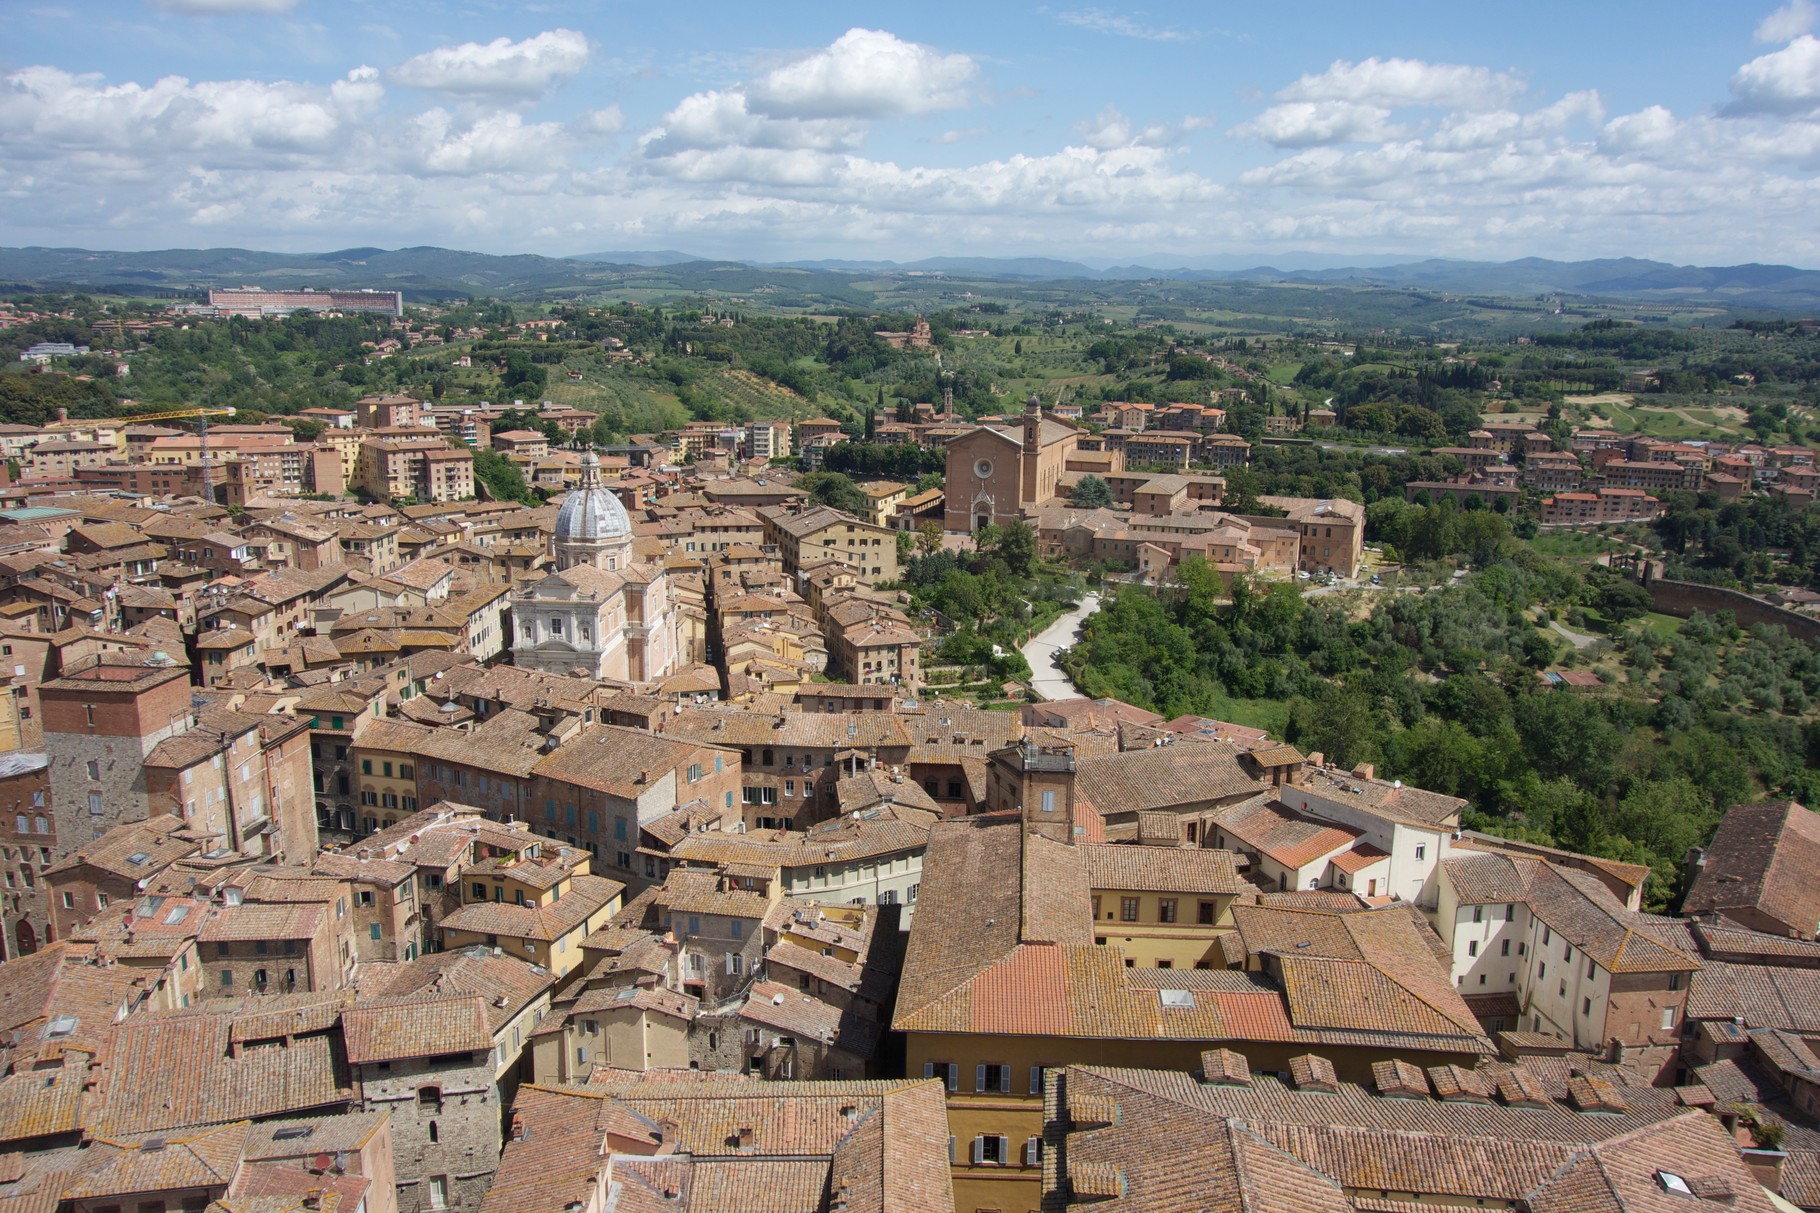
1183 999
1673 1183
139 858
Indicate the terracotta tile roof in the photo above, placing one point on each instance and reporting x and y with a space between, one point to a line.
507 983
642 998
396 1029
1766 996
349 1131
251 921
883 1145
1361 856
215 730
1145 1138
1162 869
1330 901
1389 799
805 1017
586 896
1187 773
57 983
1480 879
856 978
42 1103
197 1158
159 841
1370 972
174 1069
611 759
1271 828
692 891
1220 1066
838 840
1720 937
1762 857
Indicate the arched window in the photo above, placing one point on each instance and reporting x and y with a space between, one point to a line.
954 789
434 1135
768 758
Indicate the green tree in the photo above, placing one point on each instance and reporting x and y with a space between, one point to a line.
837 490
1091 493
503 479
1340 722
1015 544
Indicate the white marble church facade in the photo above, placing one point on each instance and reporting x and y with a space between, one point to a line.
598 612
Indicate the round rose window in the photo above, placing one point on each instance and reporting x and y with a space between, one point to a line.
983 469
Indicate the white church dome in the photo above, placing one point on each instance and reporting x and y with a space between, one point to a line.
591 513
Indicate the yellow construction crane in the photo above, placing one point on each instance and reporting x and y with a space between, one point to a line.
201 416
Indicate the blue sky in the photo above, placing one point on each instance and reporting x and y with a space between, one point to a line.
1186 132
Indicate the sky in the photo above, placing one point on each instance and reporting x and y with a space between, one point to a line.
1172 134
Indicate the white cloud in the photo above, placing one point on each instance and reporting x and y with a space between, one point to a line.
1782 82
1392 83
723 118
1788 22
958 135
606 121
1461 132
1647 132
206 8
1111 129
500 68
241 120
866 74
1317 123
823 102
497 143
1102 22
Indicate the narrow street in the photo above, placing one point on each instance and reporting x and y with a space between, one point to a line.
1047 676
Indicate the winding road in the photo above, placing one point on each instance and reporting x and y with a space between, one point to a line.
1580 640
1047 676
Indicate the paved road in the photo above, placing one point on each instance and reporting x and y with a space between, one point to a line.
1048 678
1580 640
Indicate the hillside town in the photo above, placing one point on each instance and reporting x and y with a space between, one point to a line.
375 845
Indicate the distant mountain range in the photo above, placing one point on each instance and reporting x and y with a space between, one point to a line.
428 272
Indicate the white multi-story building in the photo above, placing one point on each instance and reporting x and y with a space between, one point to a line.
1555 945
